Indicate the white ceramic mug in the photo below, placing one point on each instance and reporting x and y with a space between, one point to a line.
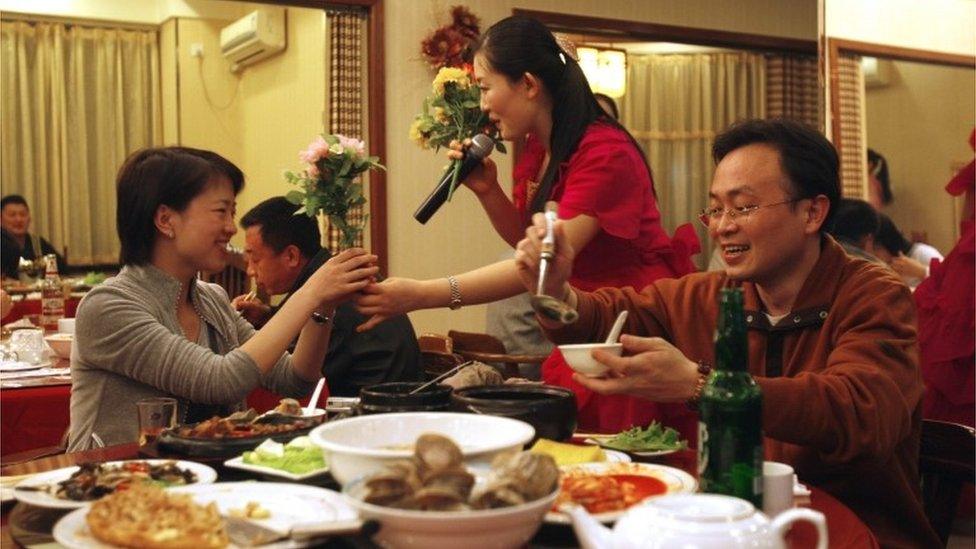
777 488
29 345
66 325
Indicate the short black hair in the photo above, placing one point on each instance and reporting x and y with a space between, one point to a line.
854 220
280 227
806 156
890 238
13 199
163 176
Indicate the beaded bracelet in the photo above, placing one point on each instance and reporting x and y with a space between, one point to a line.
703 371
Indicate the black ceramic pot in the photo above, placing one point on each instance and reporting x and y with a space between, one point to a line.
551 410
395 397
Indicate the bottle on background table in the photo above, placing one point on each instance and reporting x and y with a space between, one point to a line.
730 443
52 296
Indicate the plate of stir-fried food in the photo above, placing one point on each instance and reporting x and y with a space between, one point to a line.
230 436
75 487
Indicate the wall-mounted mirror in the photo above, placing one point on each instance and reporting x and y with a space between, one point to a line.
914 108
87 83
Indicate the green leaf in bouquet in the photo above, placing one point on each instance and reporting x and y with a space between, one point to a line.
300 211
344 169
295 197
470 104
500 145
330 139
454 178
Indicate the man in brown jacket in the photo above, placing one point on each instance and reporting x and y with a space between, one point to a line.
831 337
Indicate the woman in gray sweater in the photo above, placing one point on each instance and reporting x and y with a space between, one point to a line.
156 330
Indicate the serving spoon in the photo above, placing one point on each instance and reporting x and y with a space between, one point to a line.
546 305
618 326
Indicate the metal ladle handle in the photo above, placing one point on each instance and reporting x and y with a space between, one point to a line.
548 245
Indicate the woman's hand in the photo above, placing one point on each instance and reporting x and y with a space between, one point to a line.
908 267
529 251
342 275
484 178
391 297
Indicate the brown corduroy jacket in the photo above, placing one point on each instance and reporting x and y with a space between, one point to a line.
840 379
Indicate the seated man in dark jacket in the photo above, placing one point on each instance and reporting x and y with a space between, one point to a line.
282 250
17 242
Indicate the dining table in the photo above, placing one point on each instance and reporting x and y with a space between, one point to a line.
22 525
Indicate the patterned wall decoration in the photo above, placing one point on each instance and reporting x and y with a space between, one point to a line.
347 82
793 89
852 146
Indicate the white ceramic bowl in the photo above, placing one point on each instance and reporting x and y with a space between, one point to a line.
503 528
360 446
580 358
60 344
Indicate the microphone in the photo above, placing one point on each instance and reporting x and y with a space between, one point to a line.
481 147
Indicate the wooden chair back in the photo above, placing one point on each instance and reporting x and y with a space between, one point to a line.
437 354
488 348
946 466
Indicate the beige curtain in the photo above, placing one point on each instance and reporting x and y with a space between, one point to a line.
347 82
75 102
851 142
793 89
674 106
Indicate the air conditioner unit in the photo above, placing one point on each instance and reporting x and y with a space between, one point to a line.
877 72
254 37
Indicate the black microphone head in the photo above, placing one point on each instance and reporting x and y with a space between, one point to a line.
481 146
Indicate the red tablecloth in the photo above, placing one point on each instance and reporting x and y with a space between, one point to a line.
26 307
33 417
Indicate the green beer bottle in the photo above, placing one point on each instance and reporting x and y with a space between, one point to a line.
730 440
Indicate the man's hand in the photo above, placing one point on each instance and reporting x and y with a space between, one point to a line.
253 310
529 251
654 370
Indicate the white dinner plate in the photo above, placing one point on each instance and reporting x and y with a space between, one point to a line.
205 475
19 366
289 505
238 463
616 456
676 480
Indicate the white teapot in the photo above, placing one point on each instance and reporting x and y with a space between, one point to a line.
692 521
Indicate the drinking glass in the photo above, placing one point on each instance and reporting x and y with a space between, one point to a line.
155 414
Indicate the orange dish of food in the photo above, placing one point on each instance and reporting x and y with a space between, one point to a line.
603 493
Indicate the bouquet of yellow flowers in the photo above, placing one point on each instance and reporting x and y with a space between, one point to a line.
329 183
452 113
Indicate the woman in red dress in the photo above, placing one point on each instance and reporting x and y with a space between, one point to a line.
579 157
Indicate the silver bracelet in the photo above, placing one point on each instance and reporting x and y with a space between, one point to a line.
455 293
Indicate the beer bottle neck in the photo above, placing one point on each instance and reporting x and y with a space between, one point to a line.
731 343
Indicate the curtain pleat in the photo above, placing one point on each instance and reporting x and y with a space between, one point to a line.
77 100
674 107
347 80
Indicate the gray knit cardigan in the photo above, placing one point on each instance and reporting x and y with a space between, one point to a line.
129 345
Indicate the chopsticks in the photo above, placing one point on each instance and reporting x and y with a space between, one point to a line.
446 374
